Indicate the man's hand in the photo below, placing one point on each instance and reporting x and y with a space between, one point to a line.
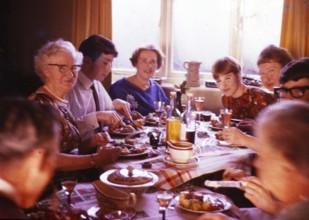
122 107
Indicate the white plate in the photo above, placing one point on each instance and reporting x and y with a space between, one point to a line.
135 155
227 144
226 203
95 212
191 163
105 175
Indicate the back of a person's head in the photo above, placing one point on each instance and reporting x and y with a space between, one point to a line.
295 70
286 127
276 54
298 212
224 66
95 45
24 126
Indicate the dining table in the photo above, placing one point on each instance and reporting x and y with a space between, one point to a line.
214 155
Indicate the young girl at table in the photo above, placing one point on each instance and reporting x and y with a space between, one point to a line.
245 101
283 163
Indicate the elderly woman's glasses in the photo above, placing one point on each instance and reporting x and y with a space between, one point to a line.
65 68
295 92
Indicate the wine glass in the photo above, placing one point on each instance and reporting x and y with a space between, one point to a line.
159 107
226 115
164 198
68 186
199 102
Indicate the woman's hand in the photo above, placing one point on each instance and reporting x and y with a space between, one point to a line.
232 173
235 136
122 107
94 141
260 196
106 155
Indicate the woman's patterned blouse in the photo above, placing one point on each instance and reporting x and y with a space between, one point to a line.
249 104
70 135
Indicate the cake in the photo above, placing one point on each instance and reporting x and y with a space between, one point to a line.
130 176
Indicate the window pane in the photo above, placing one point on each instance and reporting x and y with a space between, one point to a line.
261 27
201 31
135 23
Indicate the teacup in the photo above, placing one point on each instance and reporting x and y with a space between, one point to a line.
182 151
112 198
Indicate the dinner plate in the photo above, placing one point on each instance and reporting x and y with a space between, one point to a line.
135 155
151 123
212 196
236 120
105 175
215 128
227 144
118 133
96 212
192 163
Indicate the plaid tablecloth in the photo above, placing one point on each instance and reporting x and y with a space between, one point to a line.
213 158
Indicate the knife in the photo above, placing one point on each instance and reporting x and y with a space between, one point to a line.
217 184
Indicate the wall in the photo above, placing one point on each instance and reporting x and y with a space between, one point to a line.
25 26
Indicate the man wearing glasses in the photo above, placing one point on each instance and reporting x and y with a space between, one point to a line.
294 81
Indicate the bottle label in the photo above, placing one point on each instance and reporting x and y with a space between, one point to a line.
183 130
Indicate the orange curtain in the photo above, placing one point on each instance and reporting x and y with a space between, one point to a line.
295 27
91 17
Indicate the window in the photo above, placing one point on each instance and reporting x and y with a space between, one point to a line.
196 30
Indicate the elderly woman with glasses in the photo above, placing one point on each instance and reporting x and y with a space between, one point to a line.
57 63
139 89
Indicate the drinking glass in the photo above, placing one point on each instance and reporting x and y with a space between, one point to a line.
68 185
164 198
199 102
159 107
226 115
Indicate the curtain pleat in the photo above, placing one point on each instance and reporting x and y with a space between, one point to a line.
92 17
295 27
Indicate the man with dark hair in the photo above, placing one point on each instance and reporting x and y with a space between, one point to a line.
294 81
89 101
29 142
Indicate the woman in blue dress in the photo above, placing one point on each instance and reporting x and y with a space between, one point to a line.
139 89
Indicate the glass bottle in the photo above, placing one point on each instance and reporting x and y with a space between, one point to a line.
173 120
187 132
178 101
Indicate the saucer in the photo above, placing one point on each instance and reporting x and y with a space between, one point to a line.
192 163
95 212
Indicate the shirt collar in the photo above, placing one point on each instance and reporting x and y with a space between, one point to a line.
84 80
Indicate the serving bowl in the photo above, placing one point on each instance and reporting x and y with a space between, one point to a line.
138 189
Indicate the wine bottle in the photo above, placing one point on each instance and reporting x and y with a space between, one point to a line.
187 132
173 120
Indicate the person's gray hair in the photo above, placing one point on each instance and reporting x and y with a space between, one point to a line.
24 126
50 49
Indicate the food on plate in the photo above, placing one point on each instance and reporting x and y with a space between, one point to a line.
200 201
219 136
130 176
152 118
131 147
136 115
124 130
216 123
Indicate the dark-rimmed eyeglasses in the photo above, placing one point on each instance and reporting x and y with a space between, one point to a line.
65 68
295 92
